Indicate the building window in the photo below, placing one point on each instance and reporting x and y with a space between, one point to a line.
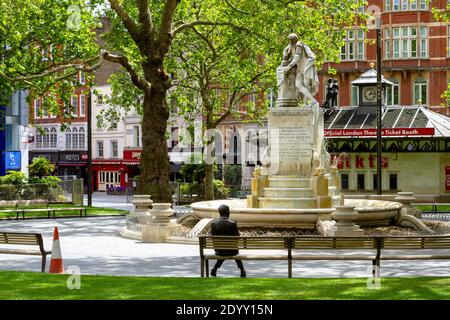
393 93
74 139
46 139
82 77
37 107
420 91
405 5
353 48
99 149
387 5
174 137
396 5
82 105
53 138
448 41
114 151
74 105
375 181
387 43
82 139
405 42
360 181
271 98
355 95
344 181
423 5
38 140
44 109
423 42
68 138
136 136
393 181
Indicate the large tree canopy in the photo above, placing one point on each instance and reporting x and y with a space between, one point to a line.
147 38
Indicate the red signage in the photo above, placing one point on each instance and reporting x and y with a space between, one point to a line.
447 178
372 132
132 155
358 162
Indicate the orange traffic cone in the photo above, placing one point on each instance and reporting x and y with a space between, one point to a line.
56 263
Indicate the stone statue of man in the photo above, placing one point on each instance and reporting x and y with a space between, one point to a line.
297 73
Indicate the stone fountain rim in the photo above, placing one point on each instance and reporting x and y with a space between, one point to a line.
387 206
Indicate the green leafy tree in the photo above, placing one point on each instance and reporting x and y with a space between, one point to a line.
140 38
14 178
229 69
40 167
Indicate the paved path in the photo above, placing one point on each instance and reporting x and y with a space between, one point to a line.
101 199
93 244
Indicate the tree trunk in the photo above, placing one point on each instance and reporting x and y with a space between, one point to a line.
155 161
209 162
209 185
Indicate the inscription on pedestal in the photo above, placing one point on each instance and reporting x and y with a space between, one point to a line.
291 140
293 145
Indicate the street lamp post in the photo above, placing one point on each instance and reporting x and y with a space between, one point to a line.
89 138
379 109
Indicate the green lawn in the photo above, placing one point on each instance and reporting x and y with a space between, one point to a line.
430 208
90 211
28 285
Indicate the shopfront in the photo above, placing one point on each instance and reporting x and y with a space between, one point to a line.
108 174
73 163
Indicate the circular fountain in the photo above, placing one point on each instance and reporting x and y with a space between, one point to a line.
297 186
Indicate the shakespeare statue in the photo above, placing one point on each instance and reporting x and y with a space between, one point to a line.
297 77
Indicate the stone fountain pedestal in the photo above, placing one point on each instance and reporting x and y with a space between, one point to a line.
160 225
293 176
344 226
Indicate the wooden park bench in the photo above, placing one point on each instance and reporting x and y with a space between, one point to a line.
296 248
25 239
23 206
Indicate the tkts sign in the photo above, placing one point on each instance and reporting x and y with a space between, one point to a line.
358 161
372 132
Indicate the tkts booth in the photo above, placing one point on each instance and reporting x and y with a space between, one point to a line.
415 146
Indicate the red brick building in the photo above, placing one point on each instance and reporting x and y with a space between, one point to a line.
66 149
415 56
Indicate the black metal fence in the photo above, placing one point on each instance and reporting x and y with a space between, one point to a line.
186 193
63 191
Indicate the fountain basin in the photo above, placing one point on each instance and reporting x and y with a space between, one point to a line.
371 213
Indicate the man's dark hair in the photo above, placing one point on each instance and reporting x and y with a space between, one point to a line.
224 211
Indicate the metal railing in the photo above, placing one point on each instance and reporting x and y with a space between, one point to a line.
62 191
186 193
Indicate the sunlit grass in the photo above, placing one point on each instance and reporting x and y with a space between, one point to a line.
90 211
27 285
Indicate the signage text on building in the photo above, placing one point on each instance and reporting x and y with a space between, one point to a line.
358 161
372 132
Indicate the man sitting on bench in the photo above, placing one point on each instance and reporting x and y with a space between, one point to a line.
225 227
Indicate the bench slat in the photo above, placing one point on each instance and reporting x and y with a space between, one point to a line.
21 252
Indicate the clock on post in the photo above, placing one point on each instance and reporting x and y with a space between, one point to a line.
367 84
